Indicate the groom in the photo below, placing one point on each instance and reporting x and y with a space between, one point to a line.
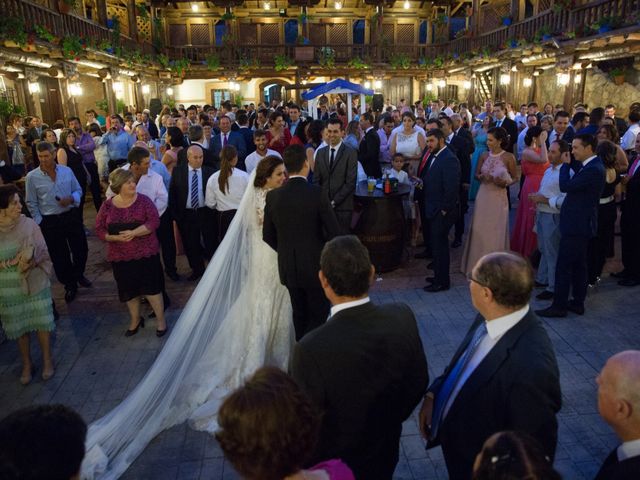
298 219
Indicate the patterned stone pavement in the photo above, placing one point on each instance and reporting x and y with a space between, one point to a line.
97 366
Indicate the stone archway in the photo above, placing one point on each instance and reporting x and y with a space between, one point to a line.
273 89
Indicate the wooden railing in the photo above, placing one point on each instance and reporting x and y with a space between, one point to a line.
69 24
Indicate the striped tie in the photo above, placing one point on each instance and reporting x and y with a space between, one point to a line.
194 190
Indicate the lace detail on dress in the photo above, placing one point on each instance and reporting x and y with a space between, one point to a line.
260 201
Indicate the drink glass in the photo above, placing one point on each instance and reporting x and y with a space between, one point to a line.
371 184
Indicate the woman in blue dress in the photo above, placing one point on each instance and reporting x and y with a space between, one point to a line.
480 141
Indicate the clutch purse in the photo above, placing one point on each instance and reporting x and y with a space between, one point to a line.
116 228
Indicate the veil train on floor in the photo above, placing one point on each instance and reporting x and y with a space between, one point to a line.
161 400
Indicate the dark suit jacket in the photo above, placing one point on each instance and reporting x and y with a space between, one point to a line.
298 219
515 387
441 183
369 154
579 212
612 469
179 186
235 139
621 125
247 136
366 370
466 134
153 129
207 159
512 129
338 184
461 147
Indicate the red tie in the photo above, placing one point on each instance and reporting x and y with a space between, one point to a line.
423 162
224 144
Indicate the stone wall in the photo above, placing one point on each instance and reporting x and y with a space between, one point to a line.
547 89
92 91
600 90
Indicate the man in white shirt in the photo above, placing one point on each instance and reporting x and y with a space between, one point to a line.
504 375
260 141
628 140
619 406
521 117
548 201
532 121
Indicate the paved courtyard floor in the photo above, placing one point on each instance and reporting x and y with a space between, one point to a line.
96 366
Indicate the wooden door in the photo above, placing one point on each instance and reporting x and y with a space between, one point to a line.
50 100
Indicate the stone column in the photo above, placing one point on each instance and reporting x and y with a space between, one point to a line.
69 107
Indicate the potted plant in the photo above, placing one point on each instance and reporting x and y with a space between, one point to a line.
12 30
282 62
44 34
400 61
303 51
179 67
563 5
213 61
617 74
358 63
71 47
506 21
65 6
163 60
228 16
327 57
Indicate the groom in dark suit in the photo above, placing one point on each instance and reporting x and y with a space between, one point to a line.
504 375
336 172
297 221
618 385
369 150
441 204
365 369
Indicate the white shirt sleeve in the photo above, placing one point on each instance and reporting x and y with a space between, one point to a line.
210 194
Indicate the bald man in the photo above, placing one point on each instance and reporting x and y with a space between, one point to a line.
619 406
195 220
504 375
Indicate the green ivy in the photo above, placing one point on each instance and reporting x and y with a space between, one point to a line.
71 46
44 34
213 61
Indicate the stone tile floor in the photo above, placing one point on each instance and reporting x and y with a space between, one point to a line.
97 366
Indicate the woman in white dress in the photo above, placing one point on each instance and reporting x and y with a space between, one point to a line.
237 320
409 141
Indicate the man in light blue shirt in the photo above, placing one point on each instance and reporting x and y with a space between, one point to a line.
53 197
118 143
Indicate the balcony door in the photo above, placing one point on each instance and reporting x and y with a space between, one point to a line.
396 89
50 100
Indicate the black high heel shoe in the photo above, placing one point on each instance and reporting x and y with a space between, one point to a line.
129 333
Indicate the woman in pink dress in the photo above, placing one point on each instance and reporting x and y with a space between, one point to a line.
269 429
175 141
489 231
534 163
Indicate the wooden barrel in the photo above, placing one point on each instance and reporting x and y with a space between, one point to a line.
381 226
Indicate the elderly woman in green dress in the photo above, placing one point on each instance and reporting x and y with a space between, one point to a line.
25 290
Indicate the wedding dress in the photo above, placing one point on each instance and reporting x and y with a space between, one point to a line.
238 319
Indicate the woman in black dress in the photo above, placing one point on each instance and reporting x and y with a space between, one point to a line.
69 156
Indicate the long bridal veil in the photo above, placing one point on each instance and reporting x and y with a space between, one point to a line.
167 392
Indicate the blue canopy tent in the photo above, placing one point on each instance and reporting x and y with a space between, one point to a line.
338 85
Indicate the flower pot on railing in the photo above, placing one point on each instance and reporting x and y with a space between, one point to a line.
604 29
546 37
507 21
304 53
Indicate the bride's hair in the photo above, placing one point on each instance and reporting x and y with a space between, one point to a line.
265 169
227 154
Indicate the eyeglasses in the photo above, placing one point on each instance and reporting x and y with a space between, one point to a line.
471 279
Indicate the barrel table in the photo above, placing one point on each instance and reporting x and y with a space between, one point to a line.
381 226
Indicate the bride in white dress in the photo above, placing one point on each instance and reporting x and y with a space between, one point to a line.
238 318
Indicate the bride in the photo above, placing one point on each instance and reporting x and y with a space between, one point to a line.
238 319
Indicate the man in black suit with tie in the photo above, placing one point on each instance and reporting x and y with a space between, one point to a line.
297 220
369 151
504 375
227 137
196 138
619 406
501 120
151 126
578 224
365 369
336 172
441 192
463 148
195 220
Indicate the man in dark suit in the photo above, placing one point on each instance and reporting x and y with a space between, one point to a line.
297 221
620 124
578 224
562 129
246 133
441 192
195 221
35 130
369 151
336 172
151 126
618 405
196 138
365 369
504 375
501 120
227 137
462 146
630 226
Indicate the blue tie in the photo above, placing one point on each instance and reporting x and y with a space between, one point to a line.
194 190
452 379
